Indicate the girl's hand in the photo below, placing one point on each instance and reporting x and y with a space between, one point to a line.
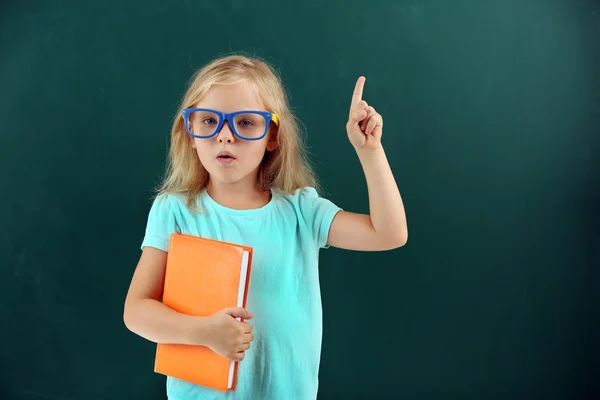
227 336
365 125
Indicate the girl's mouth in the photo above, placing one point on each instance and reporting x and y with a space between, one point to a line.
225 157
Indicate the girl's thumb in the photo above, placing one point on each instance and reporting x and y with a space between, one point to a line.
239 312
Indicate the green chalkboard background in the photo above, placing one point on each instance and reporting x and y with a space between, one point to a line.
492 123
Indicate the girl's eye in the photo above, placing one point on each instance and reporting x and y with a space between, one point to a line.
209 121
246 123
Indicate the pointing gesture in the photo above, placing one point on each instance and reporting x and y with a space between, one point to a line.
365 125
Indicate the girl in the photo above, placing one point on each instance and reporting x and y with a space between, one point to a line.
237 172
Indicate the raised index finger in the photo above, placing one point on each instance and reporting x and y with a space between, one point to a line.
358 90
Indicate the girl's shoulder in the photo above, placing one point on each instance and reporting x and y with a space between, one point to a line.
302 197
308 203
169 203
167 200
299 194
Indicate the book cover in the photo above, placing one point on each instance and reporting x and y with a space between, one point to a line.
202 276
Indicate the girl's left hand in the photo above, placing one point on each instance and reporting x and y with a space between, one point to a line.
365 125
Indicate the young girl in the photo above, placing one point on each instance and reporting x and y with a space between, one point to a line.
237 172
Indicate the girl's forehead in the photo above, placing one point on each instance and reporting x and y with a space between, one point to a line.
227 98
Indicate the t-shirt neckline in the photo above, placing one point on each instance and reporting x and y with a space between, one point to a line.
205 196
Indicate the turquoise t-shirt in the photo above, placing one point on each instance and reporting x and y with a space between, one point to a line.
284 293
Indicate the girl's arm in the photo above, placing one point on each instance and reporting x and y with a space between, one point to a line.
146 316
385 227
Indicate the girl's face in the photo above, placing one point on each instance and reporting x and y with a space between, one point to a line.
228 158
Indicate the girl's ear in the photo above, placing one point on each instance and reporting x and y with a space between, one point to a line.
272 141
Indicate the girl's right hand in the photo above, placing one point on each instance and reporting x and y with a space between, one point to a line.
227 336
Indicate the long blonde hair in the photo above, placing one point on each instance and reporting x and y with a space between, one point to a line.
284 169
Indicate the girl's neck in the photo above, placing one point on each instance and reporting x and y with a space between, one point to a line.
238 196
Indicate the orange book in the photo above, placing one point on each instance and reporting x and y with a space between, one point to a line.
202 277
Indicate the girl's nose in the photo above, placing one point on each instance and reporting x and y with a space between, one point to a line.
225 135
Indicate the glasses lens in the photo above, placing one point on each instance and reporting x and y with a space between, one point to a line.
249 125
203 123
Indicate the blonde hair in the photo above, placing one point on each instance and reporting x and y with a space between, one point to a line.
284 169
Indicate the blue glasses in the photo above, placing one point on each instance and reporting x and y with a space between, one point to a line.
204 123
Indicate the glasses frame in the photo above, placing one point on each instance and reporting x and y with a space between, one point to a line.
269 116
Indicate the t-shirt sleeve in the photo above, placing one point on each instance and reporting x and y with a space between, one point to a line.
318 213
161 223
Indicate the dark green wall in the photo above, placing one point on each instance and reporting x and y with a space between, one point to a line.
492 116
